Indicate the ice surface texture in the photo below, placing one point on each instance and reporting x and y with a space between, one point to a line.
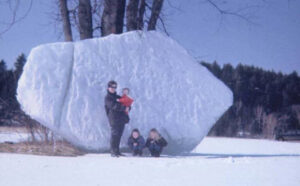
63 86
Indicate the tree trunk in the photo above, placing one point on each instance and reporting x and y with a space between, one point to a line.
112 20
140 19
108 18
85 19
131 15
156 9
64 12
120 16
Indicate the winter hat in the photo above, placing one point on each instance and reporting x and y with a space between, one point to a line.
111 83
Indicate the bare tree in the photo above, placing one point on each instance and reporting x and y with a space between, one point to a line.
64 12
155 11
141 13
85 19
131 15
97 9
108 16
120 16
112 20
108 20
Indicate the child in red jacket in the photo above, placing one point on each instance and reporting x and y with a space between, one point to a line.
125 99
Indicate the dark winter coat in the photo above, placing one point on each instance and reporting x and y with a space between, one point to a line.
140 143
115 111
161 142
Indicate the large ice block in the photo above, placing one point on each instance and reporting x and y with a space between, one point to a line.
64 84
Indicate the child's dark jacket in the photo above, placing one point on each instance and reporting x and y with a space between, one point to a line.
160 142
140 143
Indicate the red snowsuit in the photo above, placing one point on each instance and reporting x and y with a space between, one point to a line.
126 101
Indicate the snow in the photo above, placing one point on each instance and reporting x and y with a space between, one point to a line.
216 161
14 137
247 146
64 84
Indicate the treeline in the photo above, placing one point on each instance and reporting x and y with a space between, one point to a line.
264 101
10 112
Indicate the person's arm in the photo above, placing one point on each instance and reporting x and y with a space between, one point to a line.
106 110
162 142
121 100
125 100
130 142
111 104
147 143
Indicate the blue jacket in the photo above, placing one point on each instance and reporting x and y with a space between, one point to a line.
140 143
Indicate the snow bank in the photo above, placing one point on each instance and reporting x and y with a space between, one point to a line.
64 84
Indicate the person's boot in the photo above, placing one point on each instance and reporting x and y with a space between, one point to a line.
120 154
114 153
155 154
135 153
141 153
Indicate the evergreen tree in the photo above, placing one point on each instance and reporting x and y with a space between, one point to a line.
9 106
19 64
262 100
3 66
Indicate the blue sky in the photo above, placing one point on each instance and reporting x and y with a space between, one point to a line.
272 41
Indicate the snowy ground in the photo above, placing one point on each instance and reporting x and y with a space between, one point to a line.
215 162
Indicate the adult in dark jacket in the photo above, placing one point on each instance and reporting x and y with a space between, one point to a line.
136 142
117 117
155 143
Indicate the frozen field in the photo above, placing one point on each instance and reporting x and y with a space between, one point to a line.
215 162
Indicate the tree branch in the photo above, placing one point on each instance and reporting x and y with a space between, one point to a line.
163 24
233 13
14 19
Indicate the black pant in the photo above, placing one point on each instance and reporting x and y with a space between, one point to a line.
155 150
115 139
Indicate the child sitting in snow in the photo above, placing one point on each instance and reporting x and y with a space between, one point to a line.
136 142
155 143
125 99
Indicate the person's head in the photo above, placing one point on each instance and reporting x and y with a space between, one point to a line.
112 86
125 91
153 134
135 133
